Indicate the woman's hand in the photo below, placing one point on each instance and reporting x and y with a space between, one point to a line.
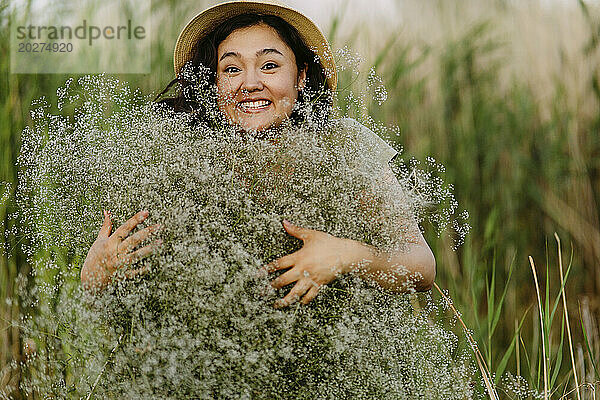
111 252
321 259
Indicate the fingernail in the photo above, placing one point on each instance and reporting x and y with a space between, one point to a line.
286 222
145 213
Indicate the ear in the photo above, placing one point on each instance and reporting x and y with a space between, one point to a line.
302 77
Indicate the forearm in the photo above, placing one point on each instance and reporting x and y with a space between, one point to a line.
413 267
399 271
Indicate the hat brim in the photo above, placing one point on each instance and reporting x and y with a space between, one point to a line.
205 22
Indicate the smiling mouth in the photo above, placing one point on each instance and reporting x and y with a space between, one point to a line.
253 106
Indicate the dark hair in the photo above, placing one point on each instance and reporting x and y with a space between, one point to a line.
205 57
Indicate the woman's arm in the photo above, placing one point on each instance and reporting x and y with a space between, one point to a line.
414 266
416 258
323 257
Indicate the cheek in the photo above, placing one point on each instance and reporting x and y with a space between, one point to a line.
225 95
287 95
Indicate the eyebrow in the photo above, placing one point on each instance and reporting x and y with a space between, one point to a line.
267 51
258 53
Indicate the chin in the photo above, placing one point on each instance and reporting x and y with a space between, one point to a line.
256 125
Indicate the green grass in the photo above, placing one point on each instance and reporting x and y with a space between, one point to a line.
524 159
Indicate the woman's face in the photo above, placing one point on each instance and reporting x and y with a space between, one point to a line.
257 77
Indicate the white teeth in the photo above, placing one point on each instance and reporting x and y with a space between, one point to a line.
255 104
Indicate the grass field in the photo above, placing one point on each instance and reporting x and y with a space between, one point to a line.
506 95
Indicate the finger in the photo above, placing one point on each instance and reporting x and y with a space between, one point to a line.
310 295
131 242
294 295
139 254
284 262
286 278
132 273
106 225
296 231
125 229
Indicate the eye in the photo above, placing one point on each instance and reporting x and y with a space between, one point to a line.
270 65
231 70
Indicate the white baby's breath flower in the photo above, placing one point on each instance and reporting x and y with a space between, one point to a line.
201 324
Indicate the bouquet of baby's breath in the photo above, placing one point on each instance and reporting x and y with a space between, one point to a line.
201 323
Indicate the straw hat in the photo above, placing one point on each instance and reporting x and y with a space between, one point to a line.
205 22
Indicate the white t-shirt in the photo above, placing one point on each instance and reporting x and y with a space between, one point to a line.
372 142
393 191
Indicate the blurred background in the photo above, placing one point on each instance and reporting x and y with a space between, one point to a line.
504 93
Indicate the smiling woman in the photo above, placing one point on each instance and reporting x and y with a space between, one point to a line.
201 46
257 77
259 56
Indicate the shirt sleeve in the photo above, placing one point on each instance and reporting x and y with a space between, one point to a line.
372 142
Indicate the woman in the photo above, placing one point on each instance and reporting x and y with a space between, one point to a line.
259 57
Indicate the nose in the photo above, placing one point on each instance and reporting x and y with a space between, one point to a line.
252 82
